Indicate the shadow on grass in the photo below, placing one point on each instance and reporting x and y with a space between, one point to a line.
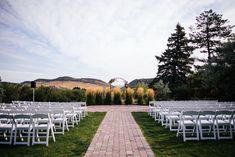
165 143
72 143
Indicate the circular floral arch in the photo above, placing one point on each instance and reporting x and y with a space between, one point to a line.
118 78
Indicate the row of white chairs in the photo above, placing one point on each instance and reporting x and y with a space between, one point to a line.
61 116
22 128
172 114
210 125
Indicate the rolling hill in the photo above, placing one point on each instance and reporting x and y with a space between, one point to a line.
69 82
135 82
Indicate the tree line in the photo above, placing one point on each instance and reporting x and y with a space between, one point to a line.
179 75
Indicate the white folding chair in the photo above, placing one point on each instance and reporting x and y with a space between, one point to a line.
223 124
23 127
188 125
172 119
59 120
42 127
207 125
71 117
7 128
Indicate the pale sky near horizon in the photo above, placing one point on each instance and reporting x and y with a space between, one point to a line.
92 38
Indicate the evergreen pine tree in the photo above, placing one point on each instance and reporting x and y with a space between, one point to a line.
209 29
175 62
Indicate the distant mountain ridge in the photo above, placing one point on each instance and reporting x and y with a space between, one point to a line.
135 82
69 82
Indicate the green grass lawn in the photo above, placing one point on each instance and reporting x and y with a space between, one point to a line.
165 143
72 143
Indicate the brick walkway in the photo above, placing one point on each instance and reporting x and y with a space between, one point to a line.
118 134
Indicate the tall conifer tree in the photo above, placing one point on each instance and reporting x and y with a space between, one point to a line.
209 29
175 62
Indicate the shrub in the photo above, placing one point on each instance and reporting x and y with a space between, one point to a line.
26 93
150 95
129 96
108 96
90 94
10 92
117 96
162 90
99 96
140 95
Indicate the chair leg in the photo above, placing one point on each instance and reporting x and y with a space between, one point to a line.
15 136
197 132
47 136
52 133
33 140
28 136
11 134
184 134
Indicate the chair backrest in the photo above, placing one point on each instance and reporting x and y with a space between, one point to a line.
40 116
189 115
224 115
204 113
4 116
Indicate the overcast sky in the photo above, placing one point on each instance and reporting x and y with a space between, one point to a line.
92 38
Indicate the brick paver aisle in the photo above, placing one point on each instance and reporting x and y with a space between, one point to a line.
119 135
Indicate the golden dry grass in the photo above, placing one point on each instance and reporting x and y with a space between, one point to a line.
107 90
90 91
140 91
99 90
150 93
117 90
129 91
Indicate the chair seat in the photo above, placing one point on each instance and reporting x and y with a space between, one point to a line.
174 117
206 122
59 120
69 115
41 126
23 126
188 117
5 126
223 121
186 122
44 120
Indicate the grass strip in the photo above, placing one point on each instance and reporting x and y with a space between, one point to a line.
73 143
165 143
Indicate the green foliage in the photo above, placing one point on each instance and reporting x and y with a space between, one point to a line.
90 97
164 143
117 98
216 80
162 91
224 72
108 98
13 92
183 92
99 98
175 62
129 96
25 93
10 92
73 143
